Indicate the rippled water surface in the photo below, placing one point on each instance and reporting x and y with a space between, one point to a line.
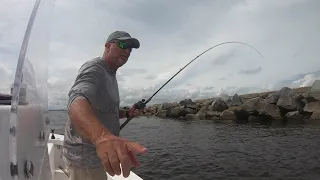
203 150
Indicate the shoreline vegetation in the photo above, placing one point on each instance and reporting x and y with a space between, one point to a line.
286 105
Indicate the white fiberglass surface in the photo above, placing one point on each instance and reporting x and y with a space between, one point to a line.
27 132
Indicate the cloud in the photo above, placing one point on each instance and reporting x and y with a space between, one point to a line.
171 35
307 80
224 59
223 78
150 77
251 71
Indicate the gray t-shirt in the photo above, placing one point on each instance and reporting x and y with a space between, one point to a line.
98 84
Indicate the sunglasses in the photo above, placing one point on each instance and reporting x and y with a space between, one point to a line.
123 44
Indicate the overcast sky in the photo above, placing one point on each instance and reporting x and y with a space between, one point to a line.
171 34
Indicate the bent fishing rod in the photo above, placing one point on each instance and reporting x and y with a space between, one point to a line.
142 104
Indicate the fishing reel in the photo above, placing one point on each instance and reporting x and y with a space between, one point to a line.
140 105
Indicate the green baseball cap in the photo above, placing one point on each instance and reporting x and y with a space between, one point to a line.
124 36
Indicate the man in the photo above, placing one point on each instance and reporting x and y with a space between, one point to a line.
91 145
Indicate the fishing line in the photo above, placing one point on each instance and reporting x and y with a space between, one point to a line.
142 104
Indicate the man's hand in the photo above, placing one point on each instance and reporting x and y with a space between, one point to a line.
134 112
114 151
136 109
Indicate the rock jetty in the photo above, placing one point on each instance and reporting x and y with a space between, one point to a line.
286 105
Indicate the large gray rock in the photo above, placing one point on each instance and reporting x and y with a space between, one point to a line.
162 114
219 105
228 114
287 99
166 106
259 106
236 100
201 114
300 101
315 116
177 112
273 97
212 113
312 107
293 115
315 90
224 97
190 111
186 102
193 106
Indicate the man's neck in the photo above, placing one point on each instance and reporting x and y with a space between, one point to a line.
112 66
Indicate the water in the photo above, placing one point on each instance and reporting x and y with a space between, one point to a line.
203 150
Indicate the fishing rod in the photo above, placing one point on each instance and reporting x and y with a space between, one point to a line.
142 104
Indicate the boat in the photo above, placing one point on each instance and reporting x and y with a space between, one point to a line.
52 160
28 151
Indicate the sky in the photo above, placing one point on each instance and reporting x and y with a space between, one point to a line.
171 33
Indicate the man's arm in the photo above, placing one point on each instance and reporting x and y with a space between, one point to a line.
86 123
123 113
82 96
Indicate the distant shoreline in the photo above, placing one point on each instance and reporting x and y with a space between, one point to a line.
248 95
286 105
297 105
